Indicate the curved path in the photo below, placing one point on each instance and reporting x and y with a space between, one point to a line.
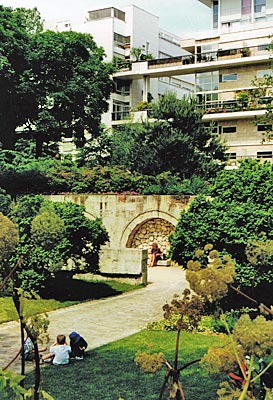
106 320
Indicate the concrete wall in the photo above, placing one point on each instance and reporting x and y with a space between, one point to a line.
133 222
126 262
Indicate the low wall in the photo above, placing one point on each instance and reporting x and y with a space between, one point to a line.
127 262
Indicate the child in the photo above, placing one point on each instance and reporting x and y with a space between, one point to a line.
59 352
29 350
78 345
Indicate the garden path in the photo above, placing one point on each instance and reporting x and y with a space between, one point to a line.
105 320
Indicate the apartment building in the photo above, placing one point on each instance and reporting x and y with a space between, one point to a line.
119 31
238 48
225 61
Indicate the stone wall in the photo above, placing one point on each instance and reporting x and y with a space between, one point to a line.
153 230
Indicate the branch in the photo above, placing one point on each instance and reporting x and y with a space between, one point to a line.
267 309
17 264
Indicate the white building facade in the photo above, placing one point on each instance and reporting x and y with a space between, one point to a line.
119 31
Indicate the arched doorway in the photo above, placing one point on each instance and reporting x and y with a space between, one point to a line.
149 231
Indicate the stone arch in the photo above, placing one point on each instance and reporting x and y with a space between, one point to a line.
147 228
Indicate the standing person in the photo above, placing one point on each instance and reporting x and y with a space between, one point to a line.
59 352
78 345
155 254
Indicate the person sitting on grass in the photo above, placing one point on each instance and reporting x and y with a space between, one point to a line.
59 352
78 345
29 353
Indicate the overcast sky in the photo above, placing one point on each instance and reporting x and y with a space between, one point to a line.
176 16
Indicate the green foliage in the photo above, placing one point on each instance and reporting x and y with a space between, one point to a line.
236 215
210 274
116 360
47 228
50 235
8 238
5 201
45 75
169 324
177 142
149 363
190 308
10 388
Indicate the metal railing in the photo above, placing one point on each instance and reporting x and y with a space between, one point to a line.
211 56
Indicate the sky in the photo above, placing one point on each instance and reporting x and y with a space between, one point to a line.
175 16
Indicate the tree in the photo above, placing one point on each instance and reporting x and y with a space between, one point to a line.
177 142
238 212
14 66
54 83
50 235
71 86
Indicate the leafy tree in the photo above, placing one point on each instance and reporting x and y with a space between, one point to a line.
5 200
50 235
238 210
14 65
71 86
8 238
177 142
54 83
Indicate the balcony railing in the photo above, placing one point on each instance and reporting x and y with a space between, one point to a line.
211 56
120 115
222 106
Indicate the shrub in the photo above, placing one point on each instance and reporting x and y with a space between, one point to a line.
149 363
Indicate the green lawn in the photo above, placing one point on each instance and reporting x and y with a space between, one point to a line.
109 372
64 292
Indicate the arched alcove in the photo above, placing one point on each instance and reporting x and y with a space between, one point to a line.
149 231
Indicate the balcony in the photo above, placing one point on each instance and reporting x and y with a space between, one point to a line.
194 63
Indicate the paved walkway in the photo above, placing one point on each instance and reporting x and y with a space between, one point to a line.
106 320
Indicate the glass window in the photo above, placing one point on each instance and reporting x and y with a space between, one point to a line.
207 81
246 7
264 128
232 156
229 77
215 8
119 14
229 129
264 72
264 154
259 6
99 14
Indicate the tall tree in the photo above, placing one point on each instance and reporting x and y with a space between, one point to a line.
14 64
71 85
52 84
177 141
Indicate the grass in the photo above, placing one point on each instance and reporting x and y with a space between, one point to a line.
64 292
109 372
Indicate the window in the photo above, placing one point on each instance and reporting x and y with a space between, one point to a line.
119 14
263 47
215 8
99 14
207 81
121 40
123 87
120 110
264 154
212 127
264 128
229 77
264 72
229 129
246 7
232 156
106 13
259 6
